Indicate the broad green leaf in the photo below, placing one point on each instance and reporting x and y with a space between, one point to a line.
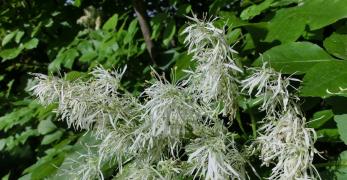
46 126
325 79
70 56
49 138
320 118
336 44
294 57
169 32
289 24
8 38
286 26
341 121
8 54
111 23
255 10
88 57
31 44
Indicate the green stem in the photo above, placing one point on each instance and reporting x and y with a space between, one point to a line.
254 124
238 119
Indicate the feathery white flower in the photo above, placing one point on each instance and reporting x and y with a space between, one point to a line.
283 138
166 115
271 87
213 156
213 80
80 103
290 144
115 145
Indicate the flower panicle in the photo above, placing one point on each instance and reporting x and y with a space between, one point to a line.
214 156
271 87
82 103
214 78
283 138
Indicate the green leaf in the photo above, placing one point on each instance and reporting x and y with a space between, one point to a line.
74 75
47 139
132 29
183 9
47 168
8 38
183 62
233 35
229 18
289 24
320 118
8 54
294 57
31 44
70 56
340 170
285 2
325 79
77 3
341 121
6 177
328 135
336 44
111 23
46 126
255 10
169 32
88 57
19 36
286 26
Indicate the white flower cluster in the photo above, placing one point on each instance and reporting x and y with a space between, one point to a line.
213 155
214 78
283 139
174 129
82 104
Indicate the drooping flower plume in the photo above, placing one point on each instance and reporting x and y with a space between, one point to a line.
283 138
214 79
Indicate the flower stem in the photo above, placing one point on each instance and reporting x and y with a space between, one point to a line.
239 122
254 124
